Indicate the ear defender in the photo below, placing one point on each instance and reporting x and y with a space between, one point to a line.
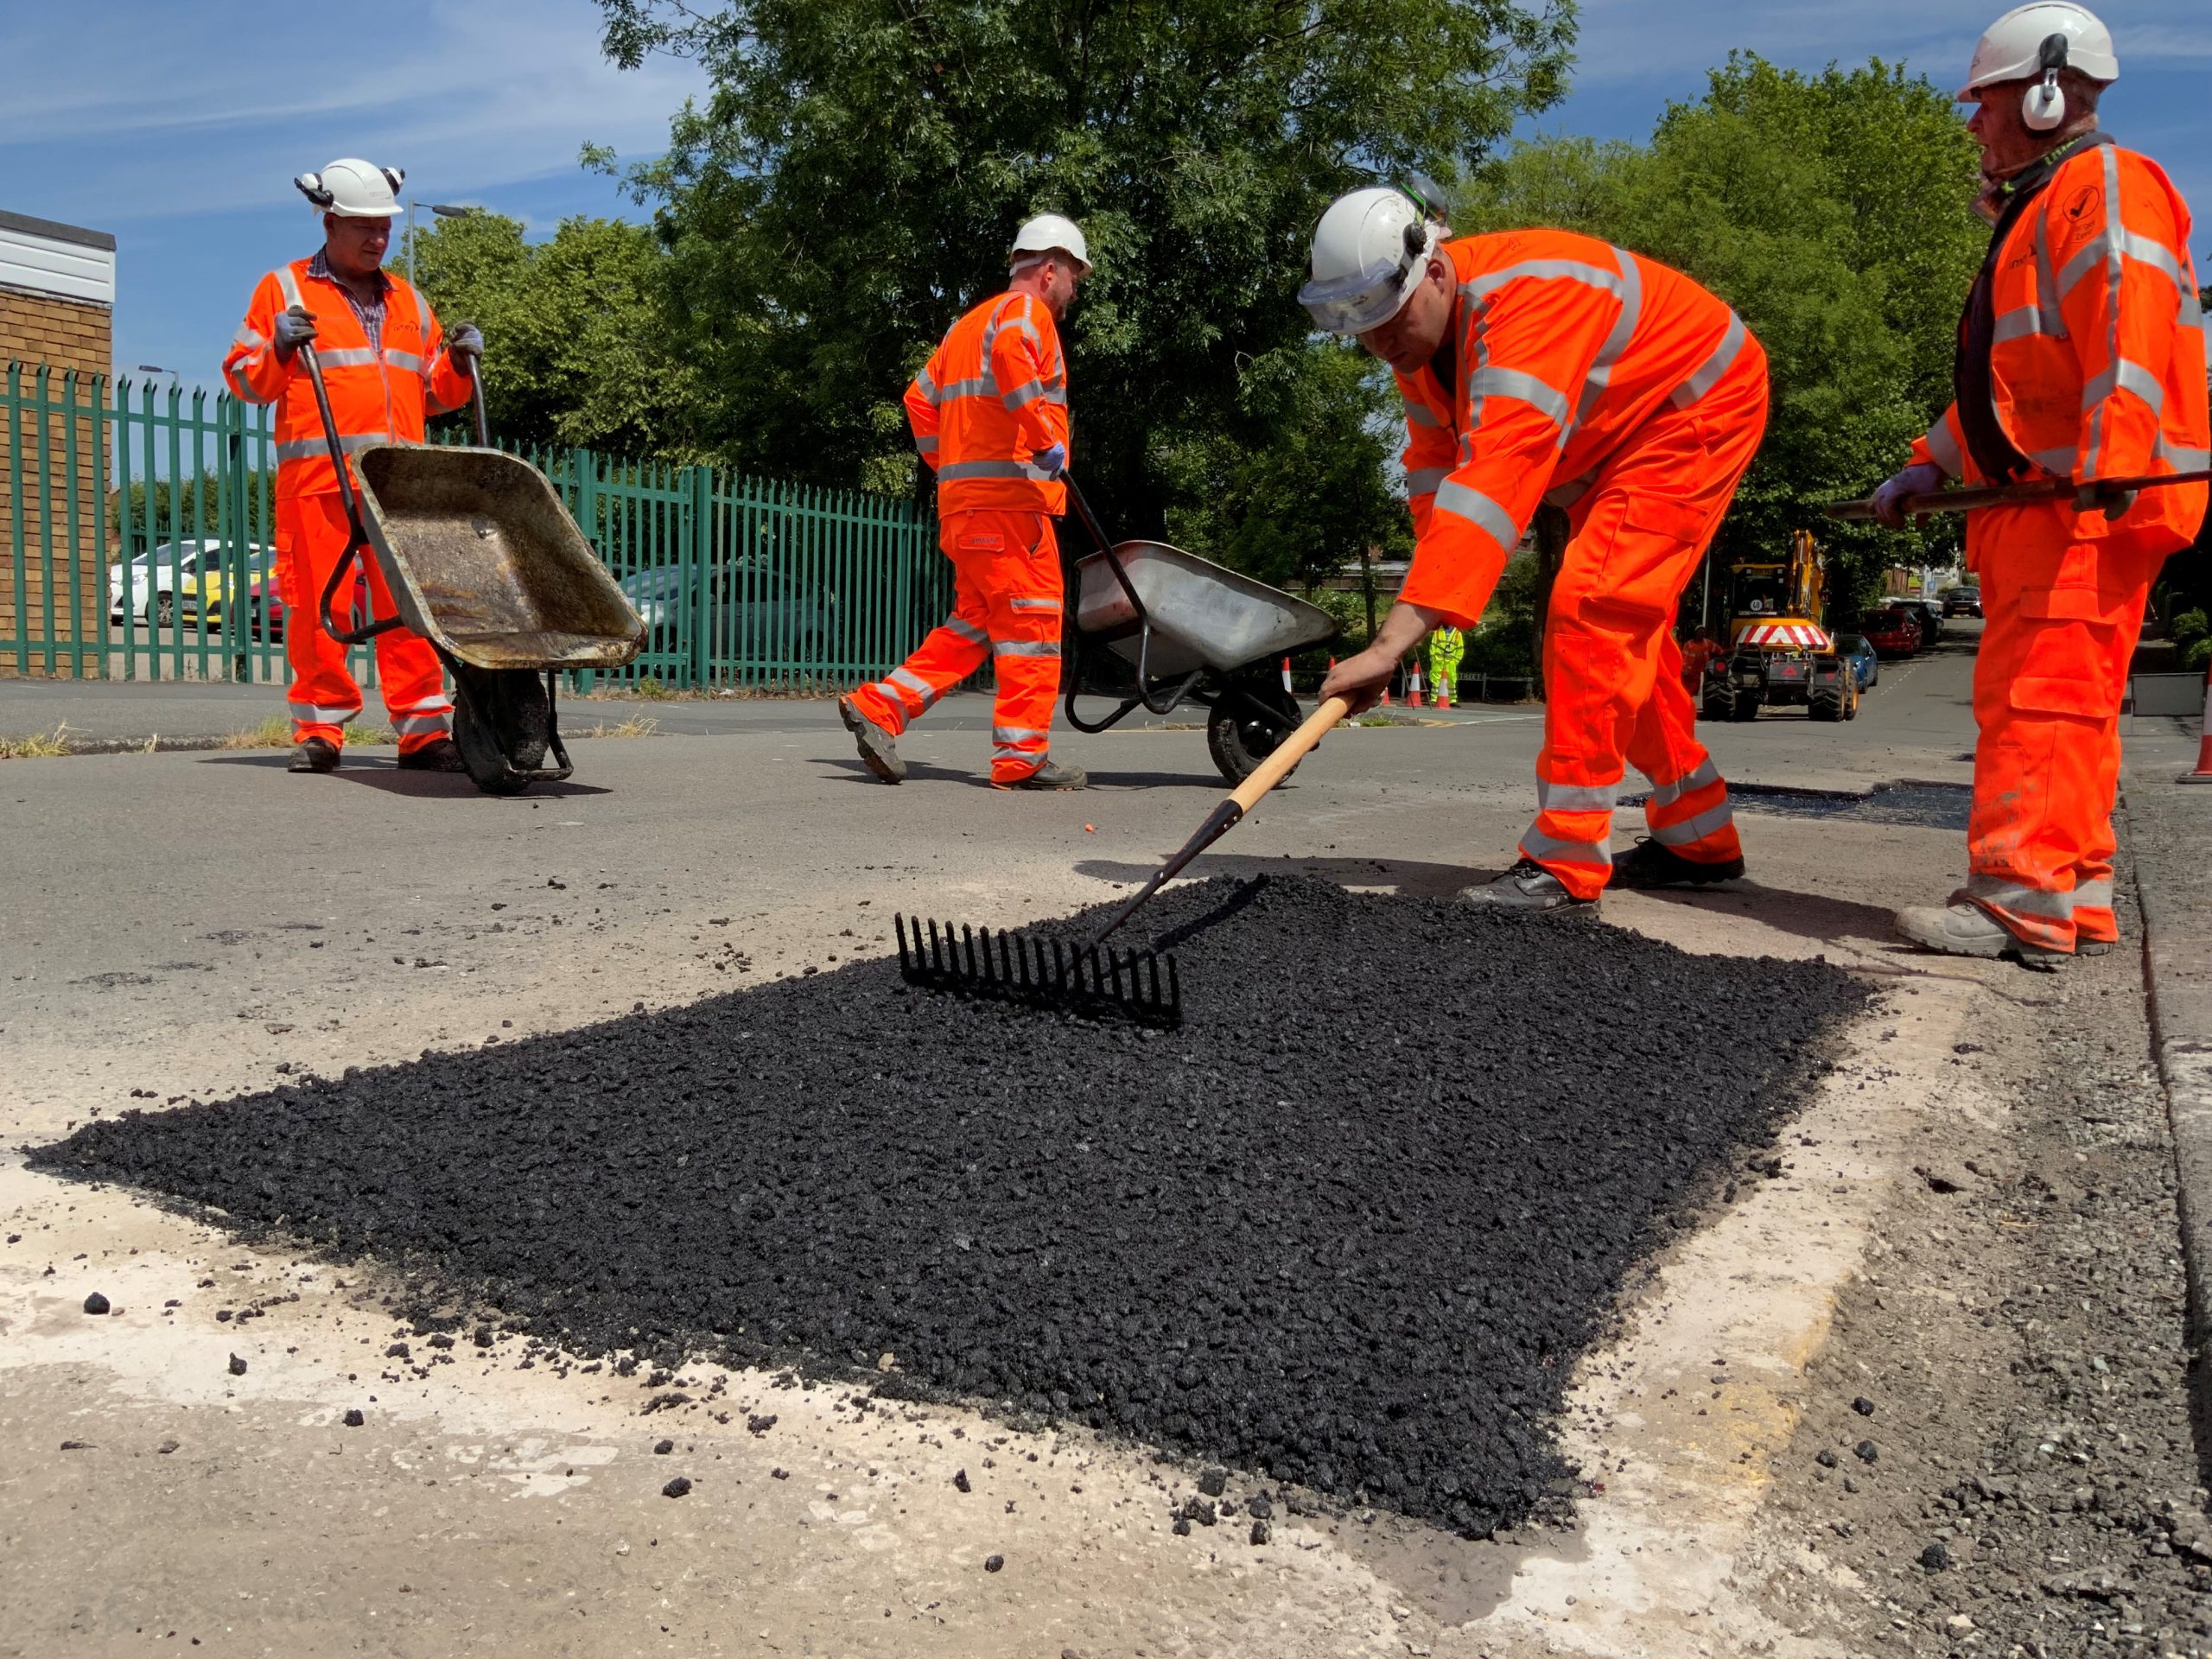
394 176
310 186
2043 107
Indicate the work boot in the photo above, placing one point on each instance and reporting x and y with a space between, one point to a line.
878 747
313 754
1050 775
1527 886
443 755
1649 864
1961 929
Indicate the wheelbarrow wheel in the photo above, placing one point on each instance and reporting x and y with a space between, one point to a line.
502 723
1247 722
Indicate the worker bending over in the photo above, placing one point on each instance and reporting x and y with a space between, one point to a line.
2082 356
991 415
387 366
1542 365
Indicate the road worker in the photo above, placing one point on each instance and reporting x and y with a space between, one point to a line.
1543 366
2081 356
1447 648
386 365
1697 657
989 412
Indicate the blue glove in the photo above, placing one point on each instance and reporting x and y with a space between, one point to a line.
464 345
295 328
1053 463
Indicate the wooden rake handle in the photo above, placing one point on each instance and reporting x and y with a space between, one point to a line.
1287 753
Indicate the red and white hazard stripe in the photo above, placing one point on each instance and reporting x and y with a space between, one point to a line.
1784 634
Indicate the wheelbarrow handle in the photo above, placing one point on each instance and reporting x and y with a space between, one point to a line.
2000 495
1106 548
476 397
357 533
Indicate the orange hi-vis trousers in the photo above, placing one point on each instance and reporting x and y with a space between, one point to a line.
311 534
1007 586
1613 690
2060 622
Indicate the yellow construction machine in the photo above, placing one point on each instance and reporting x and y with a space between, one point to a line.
1778 653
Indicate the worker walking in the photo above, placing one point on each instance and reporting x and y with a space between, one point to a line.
387 366
2081 356
1543 366
1447 647
989 412
1697 657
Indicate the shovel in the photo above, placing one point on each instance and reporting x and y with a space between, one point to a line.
1015 968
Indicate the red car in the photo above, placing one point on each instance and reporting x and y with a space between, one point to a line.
1892 633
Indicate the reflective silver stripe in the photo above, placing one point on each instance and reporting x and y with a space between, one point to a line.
2018 323
905 679
1420 414
1013 314
2093 895
1576 797
305 448
2126 376
2092 442
927 387
248 337
1011 734
408 362
289 286
984 387
1707 374
1025 647
991 469
1543 270
347 356
437 705
928 445
2179 457
316 715
1697 777
1478 509
1709 822
2126 244
966 629
1540 395
1546 849
2059 463
1052 604
417 725
235 373
1006 752
1617 342
1029 394
2047 295
1423 481
2026 901
1943 449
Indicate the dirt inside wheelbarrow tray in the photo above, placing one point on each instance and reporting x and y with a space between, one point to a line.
1349 1228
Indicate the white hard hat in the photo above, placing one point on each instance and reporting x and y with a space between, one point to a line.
1050 233
1370 251
2012 48
355 189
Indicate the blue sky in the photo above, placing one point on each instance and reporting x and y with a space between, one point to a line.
177 124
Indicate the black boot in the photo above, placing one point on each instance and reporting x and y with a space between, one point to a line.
313 754
1648 864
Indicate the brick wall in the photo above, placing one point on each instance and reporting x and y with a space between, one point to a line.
61 334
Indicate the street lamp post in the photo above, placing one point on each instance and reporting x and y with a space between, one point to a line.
443 210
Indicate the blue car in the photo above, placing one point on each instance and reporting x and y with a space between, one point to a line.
1855 649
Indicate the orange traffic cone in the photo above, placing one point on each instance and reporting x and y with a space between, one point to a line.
1413 688
1286 675
2202 774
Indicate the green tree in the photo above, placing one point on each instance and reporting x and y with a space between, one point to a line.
574 330
850 185
1833 211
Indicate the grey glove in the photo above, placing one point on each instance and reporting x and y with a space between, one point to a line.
464 345
295 328
1053 460
2102 498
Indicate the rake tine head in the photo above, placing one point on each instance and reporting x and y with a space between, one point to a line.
967 952
936 955
898 921
1005 969
983 939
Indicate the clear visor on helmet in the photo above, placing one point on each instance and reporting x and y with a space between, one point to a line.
1366 299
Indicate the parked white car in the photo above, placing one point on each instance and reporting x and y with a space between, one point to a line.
149 586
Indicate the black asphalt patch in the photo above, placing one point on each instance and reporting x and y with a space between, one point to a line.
1350 1227
1926 805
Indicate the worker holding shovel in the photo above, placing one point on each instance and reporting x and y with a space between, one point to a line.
1542 365
989 411
388 366
2080 360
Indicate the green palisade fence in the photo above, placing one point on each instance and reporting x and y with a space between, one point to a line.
742 582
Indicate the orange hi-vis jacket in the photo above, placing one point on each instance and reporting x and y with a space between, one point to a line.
1563 345
992 395
1562 349
2098 353
377 395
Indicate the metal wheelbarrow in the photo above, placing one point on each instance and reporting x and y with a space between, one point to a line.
484 562
1157 627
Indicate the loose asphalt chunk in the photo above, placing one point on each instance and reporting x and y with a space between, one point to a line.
1349 1227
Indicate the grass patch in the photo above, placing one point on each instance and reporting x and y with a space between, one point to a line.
274 732
40 746
636 726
